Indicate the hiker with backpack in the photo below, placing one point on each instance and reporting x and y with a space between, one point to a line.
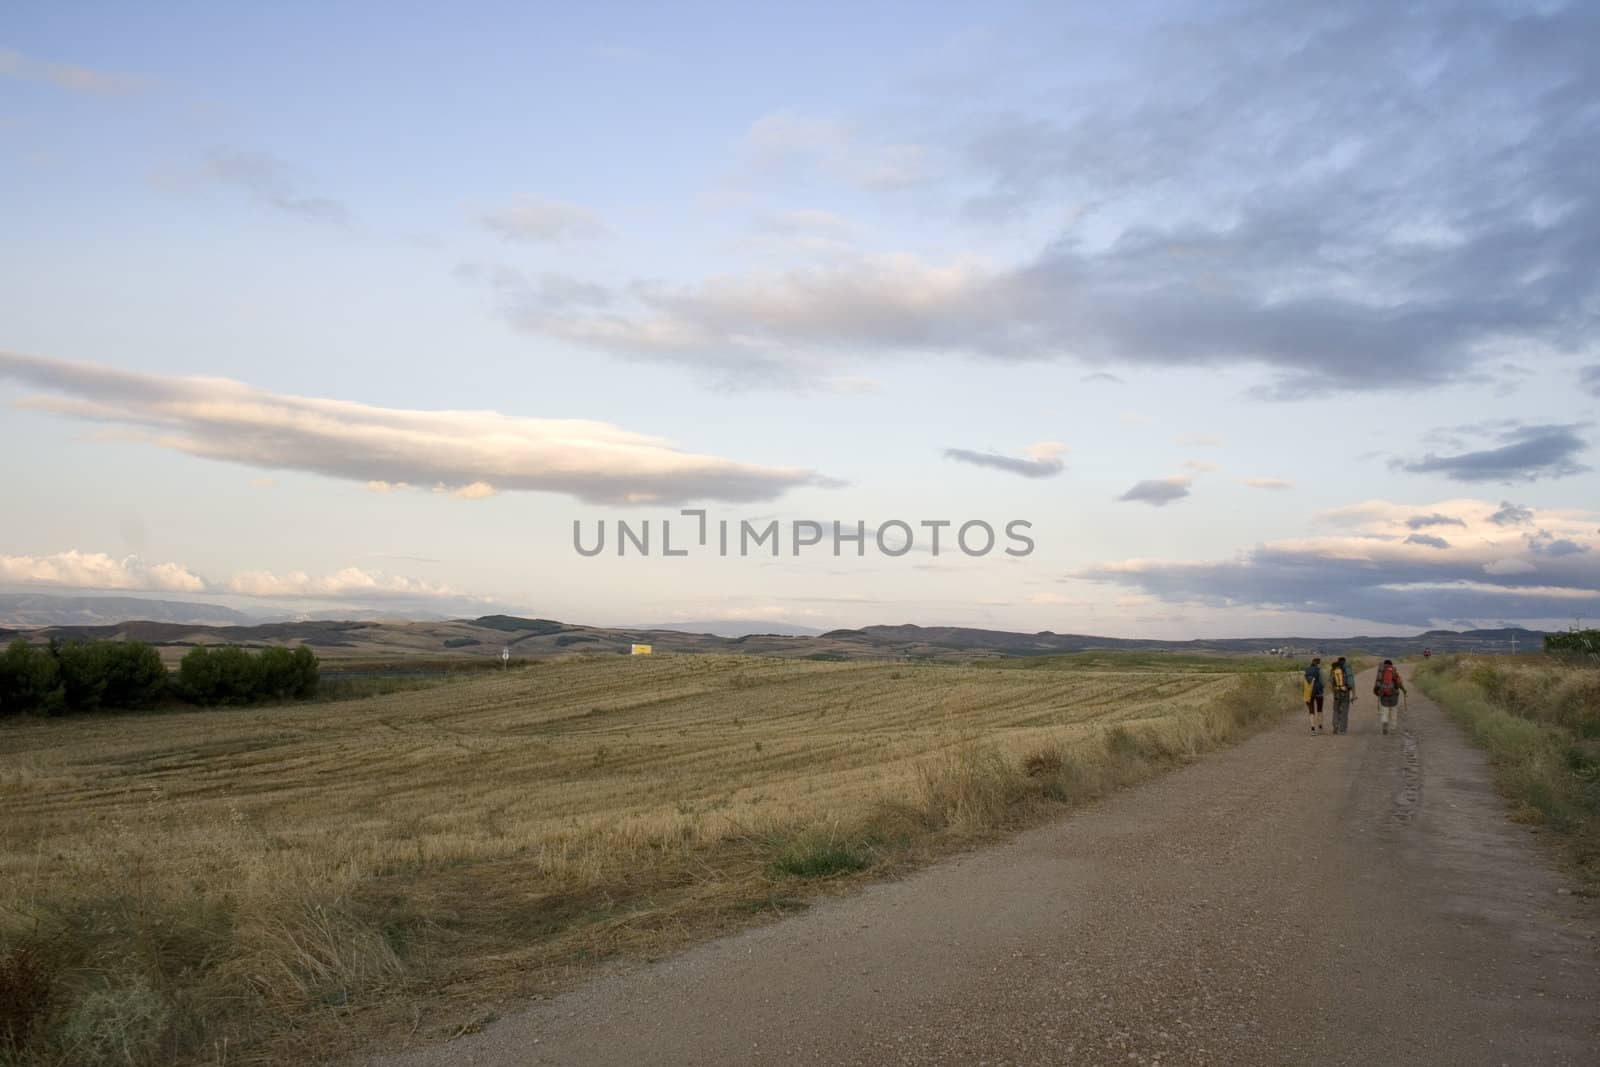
1313 693
1343 693
1387 689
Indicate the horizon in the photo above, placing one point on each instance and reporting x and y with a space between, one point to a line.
728 628
1263 321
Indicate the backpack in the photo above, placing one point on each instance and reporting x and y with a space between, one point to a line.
1388 682
1339 679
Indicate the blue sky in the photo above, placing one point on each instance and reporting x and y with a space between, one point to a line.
364 308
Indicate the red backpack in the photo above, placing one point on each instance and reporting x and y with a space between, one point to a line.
1388 682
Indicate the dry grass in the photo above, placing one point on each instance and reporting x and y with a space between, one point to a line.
1539 719
276 884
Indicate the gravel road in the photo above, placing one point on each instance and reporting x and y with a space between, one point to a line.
1295 900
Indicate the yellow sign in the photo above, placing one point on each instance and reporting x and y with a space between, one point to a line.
642 650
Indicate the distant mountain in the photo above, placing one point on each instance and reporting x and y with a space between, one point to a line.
735 628
527 639
20 611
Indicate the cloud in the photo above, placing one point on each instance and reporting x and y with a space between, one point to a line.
1508 565
1200 440
270 182
785 144
1104 376
534 221
1427 540
1159 492
1303 208
468 452
1589 380
96 570
1199 466
1044 460
1528 454
1545 543
1372 573
1510 514
351 582
1268 483
1420 522
14 64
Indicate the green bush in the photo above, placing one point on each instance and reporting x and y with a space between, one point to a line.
110 674
30 681
235 676
1573 643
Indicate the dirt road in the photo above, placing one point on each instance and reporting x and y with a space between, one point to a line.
1296 900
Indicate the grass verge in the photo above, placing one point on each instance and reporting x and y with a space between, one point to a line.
1539 719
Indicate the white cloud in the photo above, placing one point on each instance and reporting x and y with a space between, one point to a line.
1268 483
784 142
534 221
351 582
468 453
96 570
14 64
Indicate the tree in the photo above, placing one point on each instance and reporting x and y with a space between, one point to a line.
30 681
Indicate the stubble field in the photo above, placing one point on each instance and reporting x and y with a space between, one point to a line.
295 882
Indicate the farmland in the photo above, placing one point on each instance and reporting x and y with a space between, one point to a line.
282 882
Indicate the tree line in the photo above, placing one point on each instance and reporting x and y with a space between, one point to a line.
66 677
1573 643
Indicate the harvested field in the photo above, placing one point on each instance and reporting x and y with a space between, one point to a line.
290 881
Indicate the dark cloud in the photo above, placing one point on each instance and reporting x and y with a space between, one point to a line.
1419 591
1428 540
1589 380
1546 544
1159 492
1046 465
1529 453
1104 376
1350 196
1511 515
270 182
1419 522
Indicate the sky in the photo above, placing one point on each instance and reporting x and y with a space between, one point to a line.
1260 318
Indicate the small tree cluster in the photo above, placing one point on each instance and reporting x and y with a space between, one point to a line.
83 676
235 676
1573 643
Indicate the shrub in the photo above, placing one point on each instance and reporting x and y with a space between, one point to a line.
110 674
819 855
286 674
234 676
30 680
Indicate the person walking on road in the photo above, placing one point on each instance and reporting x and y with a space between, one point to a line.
1387 689
1313 693
1343 693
